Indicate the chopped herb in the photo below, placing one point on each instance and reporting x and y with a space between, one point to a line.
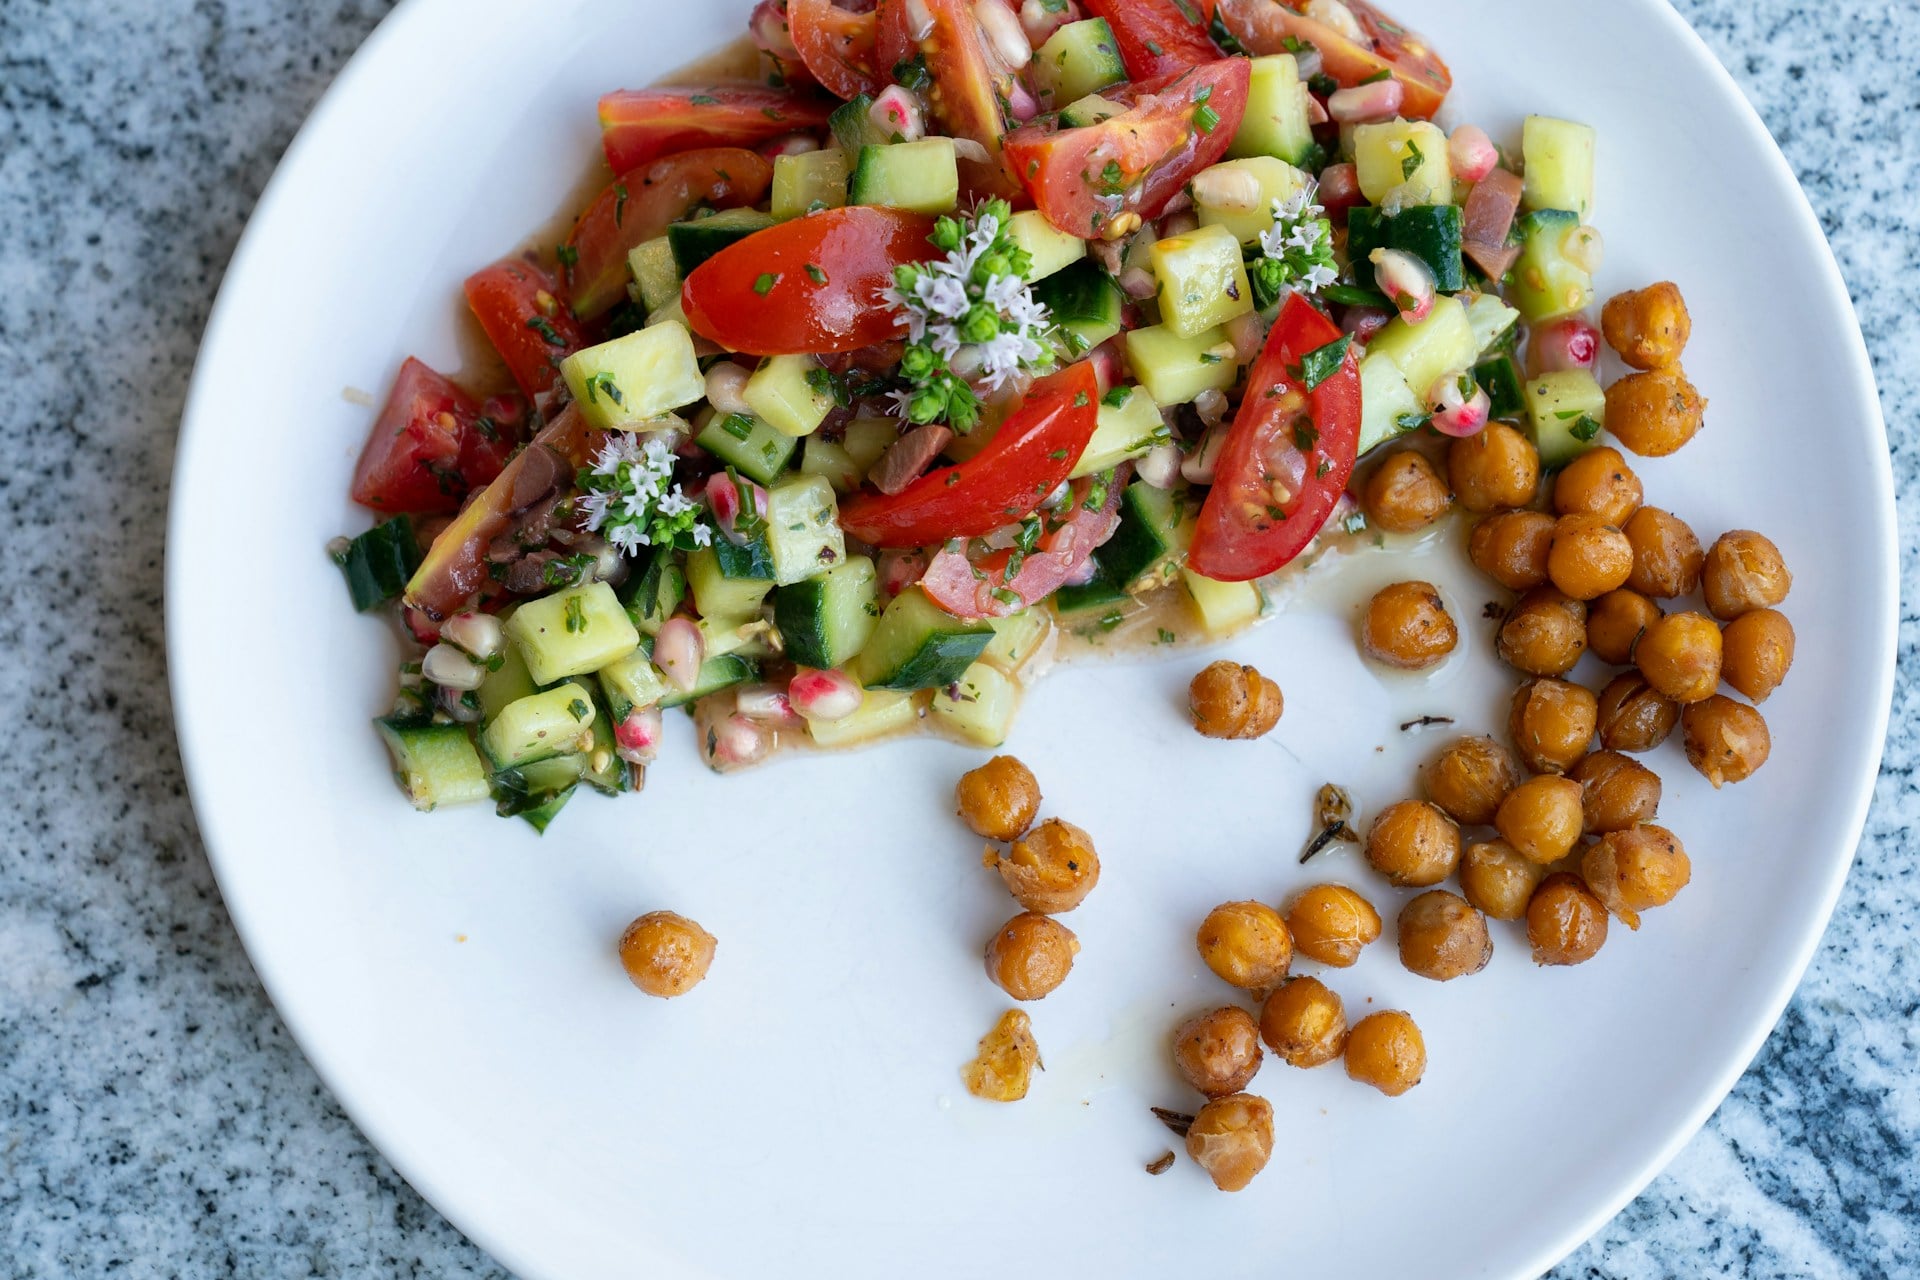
619 203
1058 455
1154 49
737 425
1166 636
1117 398
815 274
1323 85
568 256
1378 76
1584 429
1207 357
1111 619
1323 362
544 327
1320 472
1423 722
1112 179
1411 162
1412 421
1205 119
1080 400
1228 42
1305 436
576 616
764 285
773 113
602 384
579 709
1097 490
704 100
911 73
1178 1121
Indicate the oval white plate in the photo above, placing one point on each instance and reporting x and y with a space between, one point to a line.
452 976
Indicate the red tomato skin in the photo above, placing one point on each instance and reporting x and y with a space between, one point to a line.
637 206
1027 459
1235 539
520 308
1154 143
638 125
1141 26
410 461
855 249
967 590
1263 27
838 47
967 91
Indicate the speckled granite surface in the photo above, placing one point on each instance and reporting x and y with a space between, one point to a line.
154 1116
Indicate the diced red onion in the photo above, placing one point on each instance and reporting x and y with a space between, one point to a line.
1021 104
1455 412
1570 342
1107 363
1406 280
1248 333
794 144
824 695
900 570
1471 153
968 149
1138 283
1178 224
1334 14
768 24
727 386
1364 322
678 651
1360 103
919 20
1226 187
1211 406
1317 111
1198 465
1040 22
724 499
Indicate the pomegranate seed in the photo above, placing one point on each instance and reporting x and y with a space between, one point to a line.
1571 342
678 651
1365 102
1405 279
824 695
1460 406
636 739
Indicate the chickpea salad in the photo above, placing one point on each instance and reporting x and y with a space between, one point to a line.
967 324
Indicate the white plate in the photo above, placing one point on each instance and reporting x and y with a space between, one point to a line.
802 1112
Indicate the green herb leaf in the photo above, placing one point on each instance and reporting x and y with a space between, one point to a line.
764 285
1323 362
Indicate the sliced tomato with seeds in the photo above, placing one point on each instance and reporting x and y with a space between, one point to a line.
520 308
638 125
970 93
838 46
1265 26
1157 36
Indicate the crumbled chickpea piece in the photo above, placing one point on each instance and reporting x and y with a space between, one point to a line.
1052 870
1230 700
1004 1067
1232 1139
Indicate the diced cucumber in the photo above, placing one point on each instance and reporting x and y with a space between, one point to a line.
634 379
1566 411
1403 153
1277 179
1545 282
1084 303
808 182
653 594
745 443
632 682
1430 232
378 563
1091 109
1490 319
831 462
572 632
1203 280
541 816
654 273
1156 528
556 722
1558 156
698 239
1501 381
729 581
853 127
1078 59
1098 592
825 620
867 438
882 712
1016 638
721 672
803 528
978 707
727 635
1128 425
918 645
672 313
527 786
605 771
1388 406
505 684
782 394
1224 607
923 176
434 763
1050 248
1276 120
1441 344
1174 369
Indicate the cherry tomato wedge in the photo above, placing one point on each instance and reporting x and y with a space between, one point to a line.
837 46
428 447
1027 459
638 125
970 88
638 206
1155 36
1264 26
812 284
520 308
1088 180
1288 455
984 590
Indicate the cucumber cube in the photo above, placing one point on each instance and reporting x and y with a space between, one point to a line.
698 239
1203 280
654 273
635 379
1091 109
1085 304
919 645
824 621
1388 407
803 528
1051 248
720 672
1277 180
1016 638
1490 319
866 439
506 683
882 713
1156 528
540 726
1175 369
435 763
1430 232
831 463
808 182
1224 607
978 707
1276 120
1078 59
780 395
1566 411
572 632
1403 153
923 176
672 313
1441 344
1128 425
632 681
1558 155
746 444
727 583
1545 282
652 595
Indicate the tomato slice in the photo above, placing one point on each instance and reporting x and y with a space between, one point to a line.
1264 26
638 125
1288 455
638 206
1086 180
1155 36
1027 459
519 307
837 46
983 590
811 284
970 90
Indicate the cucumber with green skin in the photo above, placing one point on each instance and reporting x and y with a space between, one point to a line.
919 645
655 273
853 127
1430 232
1501 381
809 182
719 673
694 241
1276 122
1558 159
824 621
1545 282
922 176
436 764
555 722
747 444
1084 302
1097 592
1091 109
730 581
1566 411
1156 528
378 563
1078 59
652 595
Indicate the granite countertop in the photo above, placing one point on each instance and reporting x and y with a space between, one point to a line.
154 1114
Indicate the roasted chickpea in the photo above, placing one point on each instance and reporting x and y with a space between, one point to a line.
1654 413
1232 1139
1387 1051
1756 649
1614 624
1542 818
1495 469
1304 1022
1413 844
1404 493
1544 633
666 955
1566 924
1666 555
1680 656
1648 328
1634 716
1002 1070
1725 740
1511 548
1589 557
1598 483
1442 937
1246 944
1331 923
1616 792
1743 572
1498 879
1551 723
1218 1052
1052 870
1470 778
1636 870
998 800
1230 700
1408 626
1031 955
